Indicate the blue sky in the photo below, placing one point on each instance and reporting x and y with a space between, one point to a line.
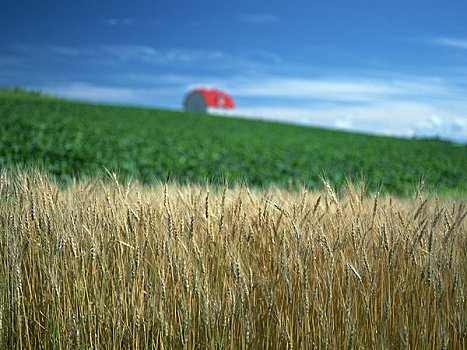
397 68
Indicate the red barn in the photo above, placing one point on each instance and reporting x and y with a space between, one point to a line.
208 100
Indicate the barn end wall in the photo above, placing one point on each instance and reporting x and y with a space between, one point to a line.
194 102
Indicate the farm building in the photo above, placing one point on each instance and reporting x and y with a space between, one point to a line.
208 100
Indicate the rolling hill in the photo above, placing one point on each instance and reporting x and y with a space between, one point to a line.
71 139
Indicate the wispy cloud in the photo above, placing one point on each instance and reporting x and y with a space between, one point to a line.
194 59
51 51
204 23
93 92
119 22
149 54
451 42
129 53
109 93
205 59
348 89
258 18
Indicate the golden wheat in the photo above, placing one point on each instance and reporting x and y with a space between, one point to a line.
105 265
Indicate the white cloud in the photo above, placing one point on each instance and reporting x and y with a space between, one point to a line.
118 22
345 122
135 53
258 18
152 96
148 54
454 128
311 88
91 92
52 51
406 119
166 79
195 59
106 54
451 42
204 23
356 90
67 50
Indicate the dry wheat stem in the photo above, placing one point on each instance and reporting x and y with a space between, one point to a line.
103 264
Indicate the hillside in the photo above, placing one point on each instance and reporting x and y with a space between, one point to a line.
73 139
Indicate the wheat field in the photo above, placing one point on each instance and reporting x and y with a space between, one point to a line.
108 265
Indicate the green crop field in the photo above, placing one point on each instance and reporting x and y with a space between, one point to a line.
71 139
